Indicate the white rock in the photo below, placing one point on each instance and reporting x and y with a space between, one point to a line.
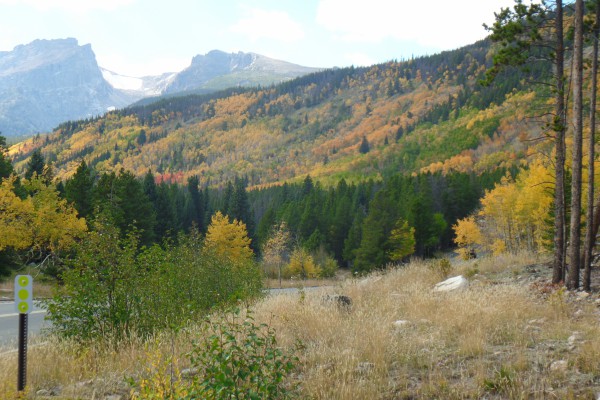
575 337
583 295
401 323
455 283
559 366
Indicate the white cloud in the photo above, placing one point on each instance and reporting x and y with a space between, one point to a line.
436 23
74 6
268 24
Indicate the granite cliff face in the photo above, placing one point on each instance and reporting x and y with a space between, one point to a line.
219 70
47 82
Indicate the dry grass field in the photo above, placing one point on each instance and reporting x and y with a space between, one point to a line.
509 335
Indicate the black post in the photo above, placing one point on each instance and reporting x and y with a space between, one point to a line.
22 378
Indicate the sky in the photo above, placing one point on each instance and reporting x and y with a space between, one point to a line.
150 37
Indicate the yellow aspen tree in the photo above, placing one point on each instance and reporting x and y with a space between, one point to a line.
228 239
302 265
533 204
41 223
498 210
467 237
277 248
55 224
15 218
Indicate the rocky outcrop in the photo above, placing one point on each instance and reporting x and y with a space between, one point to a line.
219 70
452 284
47 82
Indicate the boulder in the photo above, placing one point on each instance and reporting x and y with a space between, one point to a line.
455 283
559 366
343 303
401 323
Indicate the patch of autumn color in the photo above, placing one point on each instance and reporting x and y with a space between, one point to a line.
480 117
302 265
236 105
515 211
458 163
15 218
228 239
42 222
467 236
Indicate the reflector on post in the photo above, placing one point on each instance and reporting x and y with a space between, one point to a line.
23 294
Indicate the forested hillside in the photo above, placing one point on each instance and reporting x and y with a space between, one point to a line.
355 167
429 113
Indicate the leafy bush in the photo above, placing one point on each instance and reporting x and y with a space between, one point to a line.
112 289
441 267
239 359
302 265
162 381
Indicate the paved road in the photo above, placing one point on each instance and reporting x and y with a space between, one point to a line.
9 324
9 320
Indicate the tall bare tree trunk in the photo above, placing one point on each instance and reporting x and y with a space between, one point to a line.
559 127
575 226
590 233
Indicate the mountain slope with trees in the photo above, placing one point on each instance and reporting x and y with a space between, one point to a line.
426 114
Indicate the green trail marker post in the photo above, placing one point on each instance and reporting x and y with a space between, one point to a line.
23 306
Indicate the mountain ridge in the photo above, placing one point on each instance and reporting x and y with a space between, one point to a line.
425 114
47 82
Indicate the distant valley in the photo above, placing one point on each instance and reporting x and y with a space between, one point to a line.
47 82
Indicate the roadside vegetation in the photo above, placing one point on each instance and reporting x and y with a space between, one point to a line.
508 335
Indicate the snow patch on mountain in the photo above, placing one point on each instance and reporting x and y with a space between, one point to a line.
121 81
139 87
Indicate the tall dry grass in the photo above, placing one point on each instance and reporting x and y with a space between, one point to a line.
503 337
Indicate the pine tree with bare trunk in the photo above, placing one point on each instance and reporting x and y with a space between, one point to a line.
559 127
591 227
577 80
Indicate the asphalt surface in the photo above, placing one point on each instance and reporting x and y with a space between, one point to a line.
9 320
9 324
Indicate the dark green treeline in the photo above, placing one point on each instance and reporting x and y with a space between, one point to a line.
352 222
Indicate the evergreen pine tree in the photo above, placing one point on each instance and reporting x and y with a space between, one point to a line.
193 186
364 146
79 188
35 165
6 168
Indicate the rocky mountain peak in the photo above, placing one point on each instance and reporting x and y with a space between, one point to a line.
47 82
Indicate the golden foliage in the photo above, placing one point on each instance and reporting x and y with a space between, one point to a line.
467 236
302 265
515 211
228 239
40 222
15 218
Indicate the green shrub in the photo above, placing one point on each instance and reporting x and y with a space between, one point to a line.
441 267
239 359
112 289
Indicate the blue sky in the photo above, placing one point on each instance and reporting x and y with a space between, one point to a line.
146 37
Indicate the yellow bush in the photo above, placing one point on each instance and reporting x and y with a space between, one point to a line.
302 265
